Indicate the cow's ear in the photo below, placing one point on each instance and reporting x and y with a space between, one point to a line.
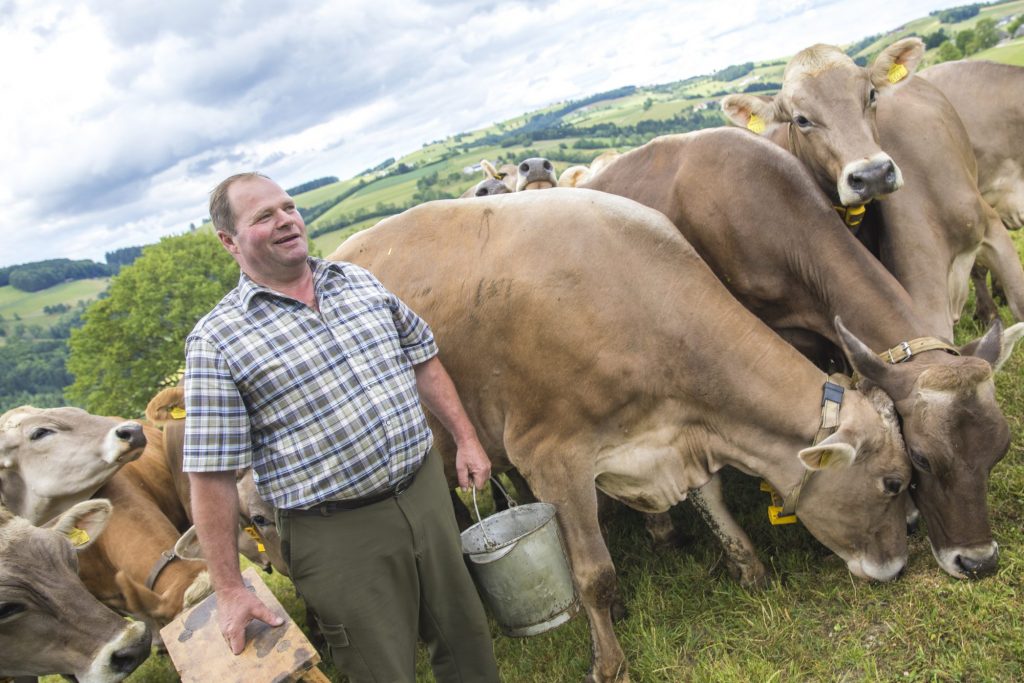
831 452
754 113
997 344
896 63
861 358
187 547
83 522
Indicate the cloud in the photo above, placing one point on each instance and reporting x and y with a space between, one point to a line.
120 116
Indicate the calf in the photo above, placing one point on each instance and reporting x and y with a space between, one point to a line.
49 623
52 458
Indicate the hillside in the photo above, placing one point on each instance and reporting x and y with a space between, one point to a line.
567 133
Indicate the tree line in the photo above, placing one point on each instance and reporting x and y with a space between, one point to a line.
39 275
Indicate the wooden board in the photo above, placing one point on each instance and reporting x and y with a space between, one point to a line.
279 654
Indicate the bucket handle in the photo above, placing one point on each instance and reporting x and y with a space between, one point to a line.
488 542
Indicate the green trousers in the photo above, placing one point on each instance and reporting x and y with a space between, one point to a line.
382 576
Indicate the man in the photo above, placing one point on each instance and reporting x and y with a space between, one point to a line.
312 373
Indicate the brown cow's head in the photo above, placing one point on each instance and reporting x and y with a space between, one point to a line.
536 173
955 433
49 622
52 458
862 467
827 104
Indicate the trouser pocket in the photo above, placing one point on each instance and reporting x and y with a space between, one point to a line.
345 654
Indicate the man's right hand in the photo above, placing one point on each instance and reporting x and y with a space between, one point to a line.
235 609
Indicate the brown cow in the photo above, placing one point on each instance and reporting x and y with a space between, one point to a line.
52 458
131 568
535 173
49 623
586 340
989 99
785 254
928 234
996 132
167 410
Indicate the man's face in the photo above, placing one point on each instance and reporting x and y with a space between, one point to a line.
270 237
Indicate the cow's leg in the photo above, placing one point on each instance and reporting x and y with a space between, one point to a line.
740 556
663 531
999 254
985 309
575 497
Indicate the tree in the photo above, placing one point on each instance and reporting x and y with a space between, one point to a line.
948 52
132 342
964 39
985 35
648 103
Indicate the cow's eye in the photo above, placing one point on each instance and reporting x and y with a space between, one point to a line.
872 97
9 610
39 433
893 485
260 520
920 462
801 121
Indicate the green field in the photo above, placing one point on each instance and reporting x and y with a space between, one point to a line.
28 306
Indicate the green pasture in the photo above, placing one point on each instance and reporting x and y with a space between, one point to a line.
28 306
325 193
1011 52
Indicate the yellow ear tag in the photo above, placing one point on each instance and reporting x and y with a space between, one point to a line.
78 537
255 535
756 124
773 516
897 72
178 413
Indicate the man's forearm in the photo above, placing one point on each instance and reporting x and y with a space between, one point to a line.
215 513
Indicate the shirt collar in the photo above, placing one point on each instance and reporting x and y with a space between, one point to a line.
248 288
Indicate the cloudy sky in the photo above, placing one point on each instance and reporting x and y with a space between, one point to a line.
119 116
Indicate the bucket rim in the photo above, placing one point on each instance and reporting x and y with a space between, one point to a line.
550 512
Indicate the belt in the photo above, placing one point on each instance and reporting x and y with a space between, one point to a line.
329 507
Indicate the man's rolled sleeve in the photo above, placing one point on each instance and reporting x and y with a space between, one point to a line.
217 429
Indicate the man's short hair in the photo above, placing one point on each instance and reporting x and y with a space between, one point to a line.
221 213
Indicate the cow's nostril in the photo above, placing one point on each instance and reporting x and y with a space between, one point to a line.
855 181
975 569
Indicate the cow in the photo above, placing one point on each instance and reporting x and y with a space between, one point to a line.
52 458
590 344
167 410
575 176
132 567
49 623
837 118
995 126
787 256
997 136
535 173
496 181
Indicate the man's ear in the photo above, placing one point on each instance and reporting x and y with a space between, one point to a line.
228 240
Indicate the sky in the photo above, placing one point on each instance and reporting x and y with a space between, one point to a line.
119 117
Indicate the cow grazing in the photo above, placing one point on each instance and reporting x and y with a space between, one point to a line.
586 340
927 234
996 132
786 255
132 568
52 458
49 623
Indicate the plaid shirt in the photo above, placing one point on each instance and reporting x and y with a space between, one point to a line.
323 405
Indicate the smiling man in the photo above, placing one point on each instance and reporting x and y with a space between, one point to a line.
312 373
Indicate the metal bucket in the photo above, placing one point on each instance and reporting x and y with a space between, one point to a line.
518 562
